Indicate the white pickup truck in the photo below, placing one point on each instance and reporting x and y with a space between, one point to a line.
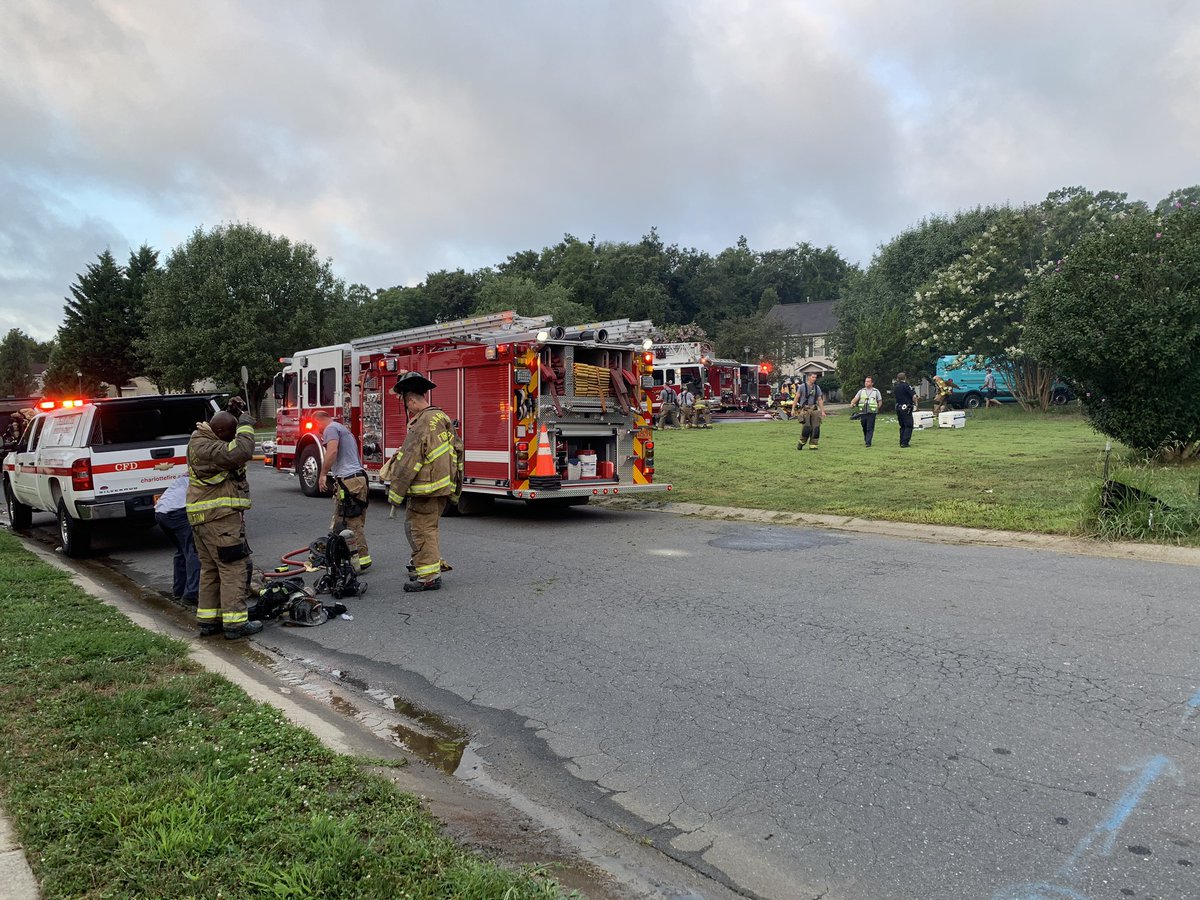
97 460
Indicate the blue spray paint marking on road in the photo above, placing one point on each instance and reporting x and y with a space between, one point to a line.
1106 829
1193 705
1120 812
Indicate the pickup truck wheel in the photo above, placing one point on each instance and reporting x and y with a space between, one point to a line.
20 516
75 535
972 401
308 470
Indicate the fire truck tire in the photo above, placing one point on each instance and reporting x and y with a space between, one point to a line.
75 535
308 471
471 505
20 516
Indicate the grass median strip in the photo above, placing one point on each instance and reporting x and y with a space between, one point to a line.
1006 469
132 772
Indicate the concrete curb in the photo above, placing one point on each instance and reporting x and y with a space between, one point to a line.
945 534
16 878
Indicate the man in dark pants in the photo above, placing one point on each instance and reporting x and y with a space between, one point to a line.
170 512
906 402
867 401
809 408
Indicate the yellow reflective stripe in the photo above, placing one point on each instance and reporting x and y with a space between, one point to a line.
206 614
433 569
219 502
394 498
198 481
431 487
440 451
234 618
245 429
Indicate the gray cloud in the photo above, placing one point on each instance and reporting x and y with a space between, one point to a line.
403 138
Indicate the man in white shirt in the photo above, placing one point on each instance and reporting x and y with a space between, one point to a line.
867 402
170 512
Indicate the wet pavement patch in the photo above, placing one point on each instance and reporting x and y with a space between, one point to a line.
766 539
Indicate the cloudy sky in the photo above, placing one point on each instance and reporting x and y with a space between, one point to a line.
400 138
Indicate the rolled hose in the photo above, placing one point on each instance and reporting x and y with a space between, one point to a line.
294 567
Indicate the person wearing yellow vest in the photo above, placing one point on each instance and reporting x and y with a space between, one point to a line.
426 474
866 402
217 499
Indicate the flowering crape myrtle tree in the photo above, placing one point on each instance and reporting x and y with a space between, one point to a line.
1121 320
976 305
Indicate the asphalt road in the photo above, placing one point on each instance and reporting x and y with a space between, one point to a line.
797 712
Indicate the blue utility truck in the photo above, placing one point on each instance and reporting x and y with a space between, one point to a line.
968 376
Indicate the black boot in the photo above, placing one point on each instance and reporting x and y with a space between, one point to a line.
208 630
232 634
412 587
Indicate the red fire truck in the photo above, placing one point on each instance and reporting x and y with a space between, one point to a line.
725 383
502 378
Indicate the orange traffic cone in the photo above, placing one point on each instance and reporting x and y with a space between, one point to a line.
545 475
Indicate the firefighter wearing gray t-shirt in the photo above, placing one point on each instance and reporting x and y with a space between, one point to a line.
351 489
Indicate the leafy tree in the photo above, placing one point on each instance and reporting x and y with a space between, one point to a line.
1181 198
503 292
874 308
103 325
976 304
737 334
63 379
16 360
1120 319
801 274
238 296
451 295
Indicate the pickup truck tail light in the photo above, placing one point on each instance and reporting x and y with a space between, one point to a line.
81 475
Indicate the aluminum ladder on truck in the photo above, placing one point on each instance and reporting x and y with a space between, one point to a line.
490 324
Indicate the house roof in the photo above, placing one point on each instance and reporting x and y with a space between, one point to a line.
804 318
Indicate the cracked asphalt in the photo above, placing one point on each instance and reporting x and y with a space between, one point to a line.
795 712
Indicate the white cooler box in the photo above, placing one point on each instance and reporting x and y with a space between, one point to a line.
956 418
922 419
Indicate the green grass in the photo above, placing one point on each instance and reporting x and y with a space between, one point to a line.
1006 469
130 772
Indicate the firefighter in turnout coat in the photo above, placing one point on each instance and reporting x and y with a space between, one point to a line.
217 499
426 473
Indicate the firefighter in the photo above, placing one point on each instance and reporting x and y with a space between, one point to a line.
687 407
668 415
217 499
16 426
702 413
351 491
942 390
809 408
426 473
